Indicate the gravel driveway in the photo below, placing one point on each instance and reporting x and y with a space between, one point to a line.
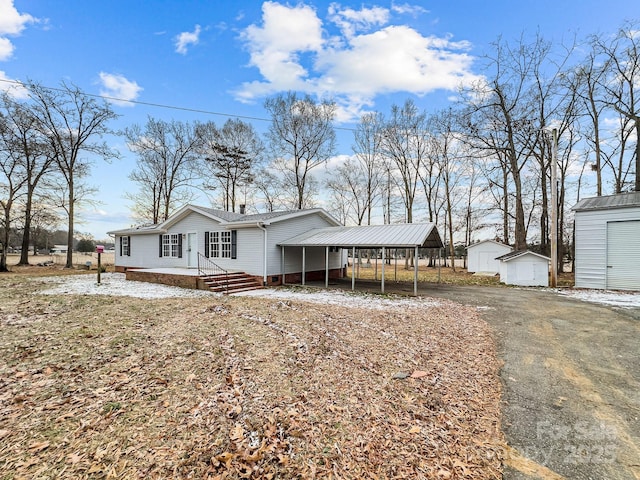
571 380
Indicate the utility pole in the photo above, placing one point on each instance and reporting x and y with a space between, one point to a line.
554 209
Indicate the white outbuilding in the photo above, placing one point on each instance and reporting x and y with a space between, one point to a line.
525 268
607 246
481 256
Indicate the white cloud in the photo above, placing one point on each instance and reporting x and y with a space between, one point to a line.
405 8
120 88
6 48
351 21
12 23
184 39
275 47
293 51
12 87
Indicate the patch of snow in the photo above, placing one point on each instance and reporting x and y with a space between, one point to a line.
606 297
342 298
115 284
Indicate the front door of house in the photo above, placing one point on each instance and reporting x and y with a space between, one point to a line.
192 250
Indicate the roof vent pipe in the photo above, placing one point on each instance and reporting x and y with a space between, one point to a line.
242 208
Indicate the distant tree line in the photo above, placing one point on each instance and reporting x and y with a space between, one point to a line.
483 163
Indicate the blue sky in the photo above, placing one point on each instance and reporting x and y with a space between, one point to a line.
227 57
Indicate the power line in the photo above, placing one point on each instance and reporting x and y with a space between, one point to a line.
162 105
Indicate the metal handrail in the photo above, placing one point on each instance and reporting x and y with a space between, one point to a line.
207 267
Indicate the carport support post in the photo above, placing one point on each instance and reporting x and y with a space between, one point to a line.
284 274
326 267
415 274
304 261
353 268
382 271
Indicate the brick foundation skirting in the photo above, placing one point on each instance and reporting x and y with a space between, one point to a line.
183 281
194 282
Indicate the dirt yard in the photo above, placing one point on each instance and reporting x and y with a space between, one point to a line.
97 386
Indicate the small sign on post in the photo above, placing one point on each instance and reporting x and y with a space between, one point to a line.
99 249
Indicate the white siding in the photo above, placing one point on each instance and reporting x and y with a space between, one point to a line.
315 257
527 270
144 252
250 246
482 256
591 244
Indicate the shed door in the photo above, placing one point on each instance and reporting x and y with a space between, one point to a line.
623 255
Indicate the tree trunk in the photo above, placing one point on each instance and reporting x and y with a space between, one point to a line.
5 240
69 263
26 237
505 211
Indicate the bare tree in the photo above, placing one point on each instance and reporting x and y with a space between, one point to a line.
12 181
404 141
445 149
75 125
232 154
301 138
498 120
473 191
23 141
348 185
622 80
167 154
268 186
370 165
586 82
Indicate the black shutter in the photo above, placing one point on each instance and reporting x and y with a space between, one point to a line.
120 238
179 245
160 245
128 243
234 244
206 244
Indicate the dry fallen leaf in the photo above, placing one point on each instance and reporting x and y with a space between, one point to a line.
261 392
38 446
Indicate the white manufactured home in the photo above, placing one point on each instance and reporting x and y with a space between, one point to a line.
482 256
607 245
233 241
200 247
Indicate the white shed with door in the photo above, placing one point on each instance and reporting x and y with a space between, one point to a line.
607 247
525 268
481 256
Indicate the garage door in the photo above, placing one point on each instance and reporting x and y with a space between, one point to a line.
623 255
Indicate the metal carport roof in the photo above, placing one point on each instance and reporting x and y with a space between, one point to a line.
406 235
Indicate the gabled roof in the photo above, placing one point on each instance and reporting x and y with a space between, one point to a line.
507 257
228 219
488 241
275 217
621 200
371 236
137 230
